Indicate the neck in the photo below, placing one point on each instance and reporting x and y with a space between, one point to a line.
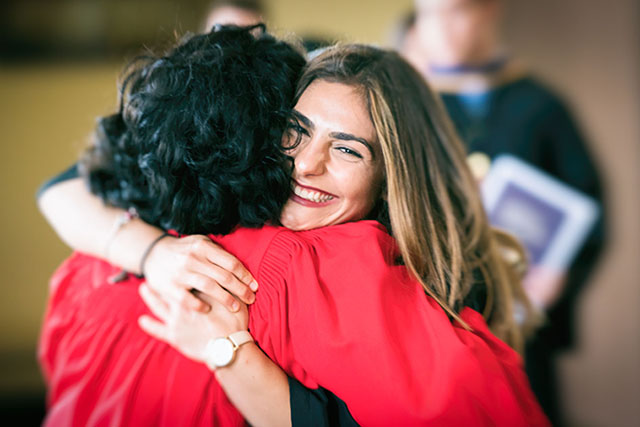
486 58
472 79
495 63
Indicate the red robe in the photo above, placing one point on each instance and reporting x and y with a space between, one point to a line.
332 310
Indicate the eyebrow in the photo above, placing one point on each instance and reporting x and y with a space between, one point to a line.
343 136
304 119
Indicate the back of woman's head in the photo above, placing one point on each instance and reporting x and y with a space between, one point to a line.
196 143
432 202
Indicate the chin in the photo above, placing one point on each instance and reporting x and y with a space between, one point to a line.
297 224
292 223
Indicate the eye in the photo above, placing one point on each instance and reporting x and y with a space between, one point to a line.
349 152
294 126
293 135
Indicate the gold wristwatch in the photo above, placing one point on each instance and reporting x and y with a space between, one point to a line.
222 351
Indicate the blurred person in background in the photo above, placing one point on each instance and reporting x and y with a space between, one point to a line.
251 12
498 107
234 12
404 38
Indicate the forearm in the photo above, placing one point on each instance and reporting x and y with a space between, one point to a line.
257 387
86 224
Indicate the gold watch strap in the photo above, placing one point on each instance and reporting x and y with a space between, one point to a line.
239 338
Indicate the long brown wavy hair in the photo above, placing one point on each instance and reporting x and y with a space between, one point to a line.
432 204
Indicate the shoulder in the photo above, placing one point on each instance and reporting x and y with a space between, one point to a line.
346 233
350 238
534 94
328 251
249 245
272 250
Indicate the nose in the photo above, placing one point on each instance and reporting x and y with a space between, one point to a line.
310 159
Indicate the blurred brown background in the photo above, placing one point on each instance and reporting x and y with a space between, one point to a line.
59 63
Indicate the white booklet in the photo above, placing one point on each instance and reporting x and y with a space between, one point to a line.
550 218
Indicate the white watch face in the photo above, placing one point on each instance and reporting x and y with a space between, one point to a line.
222 352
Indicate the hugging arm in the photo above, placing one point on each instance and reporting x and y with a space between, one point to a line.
248 378
173 266
86 224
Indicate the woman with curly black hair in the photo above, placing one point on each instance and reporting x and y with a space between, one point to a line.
194 147
401 328
212 158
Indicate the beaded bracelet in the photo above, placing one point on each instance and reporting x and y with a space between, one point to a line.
122 220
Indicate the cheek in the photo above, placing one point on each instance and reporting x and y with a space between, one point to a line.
362 191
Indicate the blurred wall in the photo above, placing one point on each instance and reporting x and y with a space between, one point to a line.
46 113
366 21
587 49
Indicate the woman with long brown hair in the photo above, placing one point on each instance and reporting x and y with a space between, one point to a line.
343 305
434 209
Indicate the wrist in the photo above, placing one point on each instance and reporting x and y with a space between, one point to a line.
144 258
121 219
248 357
222 352
130 244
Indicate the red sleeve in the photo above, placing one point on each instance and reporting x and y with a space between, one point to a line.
334 311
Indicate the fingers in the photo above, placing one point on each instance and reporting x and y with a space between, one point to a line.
180 294
220 295
211 278
153 328
218 256
195 262
216 305
154 302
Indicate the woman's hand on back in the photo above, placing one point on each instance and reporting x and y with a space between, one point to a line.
175 266
186 330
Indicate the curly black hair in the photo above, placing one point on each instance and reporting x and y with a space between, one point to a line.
196 143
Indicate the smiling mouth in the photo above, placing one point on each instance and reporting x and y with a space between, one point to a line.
309 194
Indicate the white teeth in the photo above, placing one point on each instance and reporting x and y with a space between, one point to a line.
312 196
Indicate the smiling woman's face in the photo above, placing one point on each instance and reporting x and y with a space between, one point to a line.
337 172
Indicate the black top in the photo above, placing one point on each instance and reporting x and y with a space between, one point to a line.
317 407
71 173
